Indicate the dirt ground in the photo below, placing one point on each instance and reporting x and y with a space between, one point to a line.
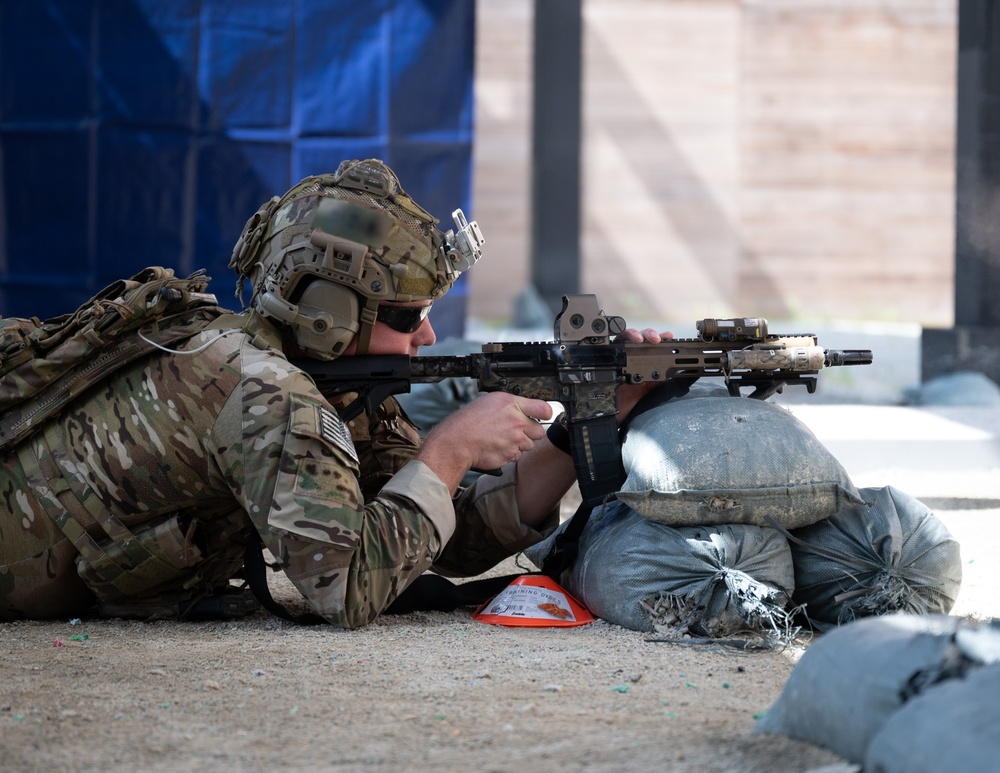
426 691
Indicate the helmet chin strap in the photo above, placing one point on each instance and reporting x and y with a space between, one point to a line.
368 314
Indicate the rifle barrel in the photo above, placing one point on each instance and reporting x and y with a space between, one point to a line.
848 357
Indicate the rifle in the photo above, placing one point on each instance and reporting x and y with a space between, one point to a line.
583 367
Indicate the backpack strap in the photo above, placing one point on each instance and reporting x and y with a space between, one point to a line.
20 421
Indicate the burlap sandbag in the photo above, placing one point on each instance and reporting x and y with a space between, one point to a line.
849 683
890 554
707 460
951 727
711 581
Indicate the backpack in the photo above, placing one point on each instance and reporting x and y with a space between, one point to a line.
45 365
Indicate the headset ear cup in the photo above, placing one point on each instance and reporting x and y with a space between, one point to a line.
329 317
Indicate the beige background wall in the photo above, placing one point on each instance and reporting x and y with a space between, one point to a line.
785 158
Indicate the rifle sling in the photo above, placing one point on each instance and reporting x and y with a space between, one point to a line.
566 546
255 573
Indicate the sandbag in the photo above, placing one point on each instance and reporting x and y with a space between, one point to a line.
951 727
727 460
849 683
708 581
963 388
890 554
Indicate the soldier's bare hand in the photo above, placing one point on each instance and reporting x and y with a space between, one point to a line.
494 429
630 394
648 336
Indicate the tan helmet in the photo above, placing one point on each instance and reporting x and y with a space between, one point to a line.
323 256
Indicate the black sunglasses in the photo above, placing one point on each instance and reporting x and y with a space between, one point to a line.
403 319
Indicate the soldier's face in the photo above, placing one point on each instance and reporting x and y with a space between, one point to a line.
386 340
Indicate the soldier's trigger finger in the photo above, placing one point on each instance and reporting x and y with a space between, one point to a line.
538 410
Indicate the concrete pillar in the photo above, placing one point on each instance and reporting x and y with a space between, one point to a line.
974 342
555 199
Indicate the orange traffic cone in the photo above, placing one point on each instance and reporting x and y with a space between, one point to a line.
533 600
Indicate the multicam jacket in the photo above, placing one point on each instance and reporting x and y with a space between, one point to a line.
145 490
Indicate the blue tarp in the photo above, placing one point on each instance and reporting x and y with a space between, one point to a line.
146 132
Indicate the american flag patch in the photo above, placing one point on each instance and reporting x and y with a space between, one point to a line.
334 431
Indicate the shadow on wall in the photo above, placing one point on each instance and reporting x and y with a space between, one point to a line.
684 199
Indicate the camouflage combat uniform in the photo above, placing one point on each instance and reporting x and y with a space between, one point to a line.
138 494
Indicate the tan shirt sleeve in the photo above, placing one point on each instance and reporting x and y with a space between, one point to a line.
418 484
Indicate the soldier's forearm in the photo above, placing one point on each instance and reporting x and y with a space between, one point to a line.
544 475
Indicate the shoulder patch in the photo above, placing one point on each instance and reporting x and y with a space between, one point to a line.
333 430
314 419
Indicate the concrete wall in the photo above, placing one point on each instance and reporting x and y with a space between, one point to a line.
786 158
